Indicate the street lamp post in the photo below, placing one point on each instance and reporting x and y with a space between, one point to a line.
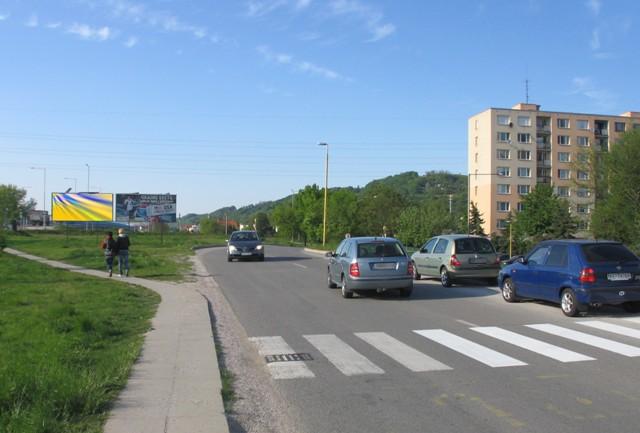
44 195
88 177
75 183
326 186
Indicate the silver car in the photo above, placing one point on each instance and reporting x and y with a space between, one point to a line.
370 263
451 257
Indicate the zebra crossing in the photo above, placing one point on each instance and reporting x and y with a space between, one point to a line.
348 361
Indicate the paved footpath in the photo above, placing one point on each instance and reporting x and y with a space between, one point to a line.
175 385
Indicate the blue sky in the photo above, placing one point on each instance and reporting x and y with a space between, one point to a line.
224 102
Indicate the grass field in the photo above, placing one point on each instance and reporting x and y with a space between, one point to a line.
151 256
68 342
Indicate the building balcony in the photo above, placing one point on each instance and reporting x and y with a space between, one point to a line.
601 132
544 180
543 129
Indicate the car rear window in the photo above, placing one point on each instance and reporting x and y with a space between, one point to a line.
380 249
474 246
602 253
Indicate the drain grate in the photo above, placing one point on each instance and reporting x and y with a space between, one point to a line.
288 357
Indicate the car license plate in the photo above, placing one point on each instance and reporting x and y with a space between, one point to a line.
478 261
384 266
246 254
619 277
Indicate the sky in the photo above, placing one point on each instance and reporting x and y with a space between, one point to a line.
224 102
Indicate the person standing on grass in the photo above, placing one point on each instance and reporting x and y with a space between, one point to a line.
109 247
122 245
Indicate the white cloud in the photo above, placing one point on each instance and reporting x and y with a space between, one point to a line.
298 65
90 33
32 21
301 4
257 8
131 42
54 25
601 97
373 19
595 40
4 17
594 6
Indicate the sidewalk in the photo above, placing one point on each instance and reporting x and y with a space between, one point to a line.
175 384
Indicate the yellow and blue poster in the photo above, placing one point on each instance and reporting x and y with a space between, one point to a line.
84 207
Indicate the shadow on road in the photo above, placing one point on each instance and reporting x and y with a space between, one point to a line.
433 292
285 259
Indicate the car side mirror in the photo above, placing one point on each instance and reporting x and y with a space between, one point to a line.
329 254
522 259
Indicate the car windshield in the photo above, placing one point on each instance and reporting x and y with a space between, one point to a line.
380 249
473 246
248 236
602 253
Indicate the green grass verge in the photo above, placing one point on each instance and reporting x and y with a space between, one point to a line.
68 343
151 256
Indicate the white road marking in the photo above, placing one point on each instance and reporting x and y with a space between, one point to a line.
537 346
402 353
591 340
343 356
299 265
469 348
281 370
633 319
464 322
616 329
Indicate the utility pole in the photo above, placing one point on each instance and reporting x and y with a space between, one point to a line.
326 185
450 202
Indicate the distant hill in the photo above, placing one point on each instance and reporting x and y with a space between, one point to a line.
433 185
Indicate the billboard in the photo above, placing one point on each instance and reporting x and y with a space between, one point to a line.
82 207
146 208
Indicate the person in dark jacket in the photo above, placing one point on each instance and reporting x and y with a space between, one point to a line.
109 247
122 245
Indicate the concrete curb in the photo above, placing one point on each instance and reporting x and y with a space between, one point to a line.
175 384
312 251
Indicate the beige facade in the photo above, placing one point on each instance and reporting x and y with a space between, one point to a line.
511 150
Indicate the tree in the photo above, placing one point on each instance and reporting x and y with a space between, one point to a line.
544 216
262 224
342 213
13 203
379 207
416 224
617 216
309 208
285 219
475 221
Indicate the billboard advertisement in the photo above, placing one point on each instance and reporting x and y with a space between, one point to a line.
81 207
136 207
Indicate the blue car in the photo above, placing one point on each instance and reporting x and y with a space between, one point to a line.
577 274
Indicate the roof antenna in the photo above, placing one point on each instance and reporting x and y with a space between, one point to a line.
526 90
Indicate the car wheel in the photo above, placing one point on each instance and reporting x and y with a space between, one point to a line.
228 258
406 292
631 307
346 293
416 274
509 290
261 259
569 303
445 278
330 283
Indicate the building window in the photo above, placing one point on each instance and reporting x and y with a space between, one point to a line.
524 189
564 173
562 191
524 121
583 225
504 171
504 206
563 123
582 124
502 224
503 154
524 155
504 137
520 206
582 175
476 158
524 172
563 157
583 192
475 190
503 120
583 141
583 157
475 141
619 127
504 188
524 138
582 208
476 123
564 140
636 126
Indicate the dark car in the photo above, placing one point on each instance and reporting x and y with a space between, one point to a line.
370 263
576 274
245 244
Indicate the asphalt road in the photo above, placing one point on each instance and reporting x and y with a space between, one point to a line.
384 363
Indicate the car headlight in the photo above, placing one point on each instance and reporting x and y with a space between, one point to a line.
259 248
232 249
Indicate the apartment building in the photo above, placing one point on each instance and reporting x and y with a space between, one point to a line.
512 150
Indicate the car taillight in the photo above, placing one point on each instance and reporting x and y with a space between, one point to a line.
410 268
497 260
354 270
587 275
455 261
